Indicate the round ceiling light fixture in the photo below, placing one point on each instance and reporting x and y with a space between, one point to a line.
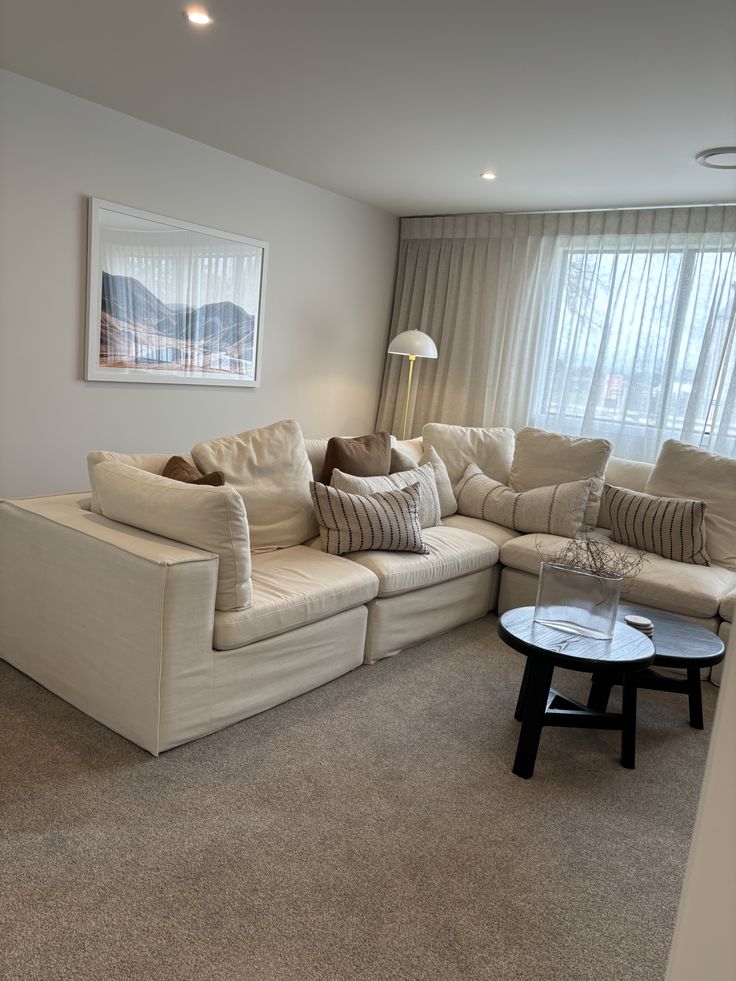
488 175
718 158
198 16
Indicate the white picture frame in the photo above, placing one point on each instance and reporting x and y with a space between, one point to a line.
171 302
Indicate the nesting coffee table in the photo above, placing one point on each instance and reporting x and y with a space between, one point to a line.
539 705
679 643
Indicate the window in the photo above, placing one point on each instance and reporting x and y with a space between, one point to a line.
639 347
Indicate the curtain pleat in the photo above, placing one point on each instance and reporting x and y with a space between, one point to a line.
617 323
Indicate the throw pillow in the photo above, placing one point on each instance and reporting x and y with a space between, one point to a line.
270 469
388 521
665 526
692 474
401 461
210 518
364 456
150 462
177 468
448 504
542 459
429 511
554 510
490 449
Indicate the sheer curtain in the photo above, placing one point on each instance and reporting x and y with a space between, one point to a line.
613 323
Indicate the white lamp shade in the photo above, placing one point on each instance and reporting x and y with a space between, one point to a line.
414 342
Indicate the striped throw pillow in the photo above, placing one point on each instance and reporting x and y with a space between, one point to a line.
555 510
386 521
429 511
672 528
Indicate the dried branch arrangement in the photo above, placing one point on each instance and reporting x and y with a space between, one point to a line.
597 555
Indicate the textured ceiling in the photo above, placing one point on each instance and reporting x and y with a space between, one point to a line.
401 103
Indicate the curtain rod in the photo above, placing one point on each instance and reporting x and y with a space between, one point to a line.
579 211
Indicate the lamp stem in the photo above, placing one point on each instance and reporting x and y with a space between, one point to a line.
412 359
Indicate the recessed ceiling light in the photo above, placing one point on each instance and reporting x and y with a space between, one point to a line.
488 175
199 17
718 158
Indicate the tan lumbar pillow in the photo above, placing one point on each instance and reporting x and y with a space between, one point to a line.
210 518
543 459
490 449
672 528
270 469
689 473
386 521
554 510
429 511
177 468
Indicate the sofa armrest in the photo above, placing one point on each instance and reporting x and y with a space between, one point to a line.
114 620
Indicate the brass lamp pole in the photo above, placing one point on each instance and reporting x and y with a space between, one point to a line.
412 344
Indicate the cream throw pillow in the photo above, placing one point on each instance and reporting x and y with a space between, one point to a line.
150 462
689 473
543 459
490 449
666 526
387 521
210 518
554 510
429 511
270 469
448 504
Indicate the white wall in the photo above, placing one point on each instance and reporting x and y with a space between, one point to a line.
330 280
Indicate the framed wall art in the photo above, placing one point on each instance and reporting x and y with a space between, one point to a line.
172 302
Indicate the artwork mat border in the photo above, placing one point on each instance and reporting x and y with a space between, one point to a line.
92 369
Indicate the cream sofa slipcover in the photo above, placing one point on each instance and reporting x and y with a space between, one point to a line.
122 623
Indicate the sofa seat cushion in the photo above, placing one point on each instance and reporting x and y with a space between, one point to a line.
728 606
292 587
496 534
690 590
452 553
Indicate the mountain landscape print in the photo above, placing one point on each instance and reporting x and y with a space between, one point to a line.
137 330
170 302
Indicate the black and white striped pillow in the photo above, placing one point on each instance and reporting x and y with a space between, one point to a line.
670 527
429 511
386 521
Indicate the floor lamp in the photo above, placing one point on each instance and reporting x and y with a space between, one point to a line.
412 344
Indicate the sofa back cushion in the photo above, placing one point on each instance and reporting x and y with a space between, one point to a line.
542 459
270 469
150 462
490 449
687 472
554 510
210 518
429 510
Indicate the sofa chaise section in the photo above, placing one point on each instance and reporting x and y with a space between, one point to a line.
120 623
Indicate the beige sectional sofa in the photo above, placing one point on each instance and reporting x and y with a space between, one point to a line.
123 623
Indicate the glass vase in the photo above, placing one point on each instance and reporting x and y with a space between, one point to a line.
577 601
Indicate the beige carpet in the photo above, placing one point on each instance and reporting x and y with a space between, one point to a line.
369 830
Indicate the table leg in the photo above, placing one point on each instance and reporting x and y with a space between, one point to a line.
535 705
628 727
695 698
519 713
600 691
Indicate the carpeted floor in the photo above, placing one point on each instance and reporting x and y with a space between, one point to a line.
371 829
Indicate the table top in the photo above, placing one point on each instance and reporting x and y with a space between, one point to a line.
678 643
628 648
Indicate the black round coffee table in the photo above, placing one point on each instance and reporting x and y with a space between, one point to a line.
678 643
538 705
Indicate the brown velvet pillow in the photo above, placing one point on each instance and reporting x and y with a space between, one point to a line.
361 456
177 468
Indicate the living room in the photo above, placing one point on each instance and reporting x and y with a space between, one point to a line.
519 184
